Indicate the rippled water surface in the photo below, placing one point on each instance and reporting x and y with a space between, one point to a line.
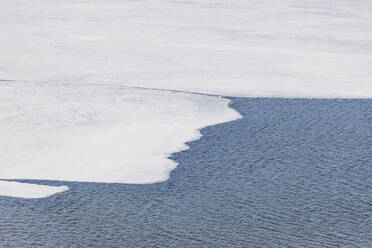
292 173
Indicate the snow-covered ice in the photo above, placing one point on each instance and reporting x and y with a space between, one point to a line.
98 133
65 113
311 48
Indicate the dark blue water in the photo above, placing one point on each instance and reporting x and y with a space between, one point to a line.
292 173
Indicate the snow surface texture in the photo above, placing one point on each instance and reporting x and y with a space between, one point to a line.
67 116
311 48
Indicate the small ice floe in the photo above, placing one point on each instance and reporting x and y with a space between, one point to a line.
28 190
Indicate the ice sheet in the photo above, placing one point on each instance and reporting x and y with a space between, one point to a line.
309 48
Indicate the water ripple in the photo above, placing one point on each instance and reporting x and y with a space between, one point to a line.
292 173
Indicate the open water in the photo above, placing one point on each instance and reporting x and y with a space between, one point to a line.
291 173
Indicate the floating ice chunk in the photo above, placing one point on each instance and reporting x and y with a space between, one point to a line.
28 190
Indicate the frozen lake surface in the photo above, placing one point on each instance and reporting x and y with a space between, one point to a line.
83 82
237 48
95 95
291 173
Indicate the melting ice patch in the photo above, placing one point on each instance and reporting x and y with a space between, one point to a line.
92 133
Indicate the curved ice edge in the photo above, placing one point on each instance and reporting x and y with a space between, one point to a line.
28 190
32 191
198 135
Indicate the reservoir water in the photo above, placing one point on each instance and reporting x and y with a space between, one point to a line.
291 173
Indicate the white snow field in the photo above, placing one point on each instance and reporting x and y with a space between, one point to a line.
66 112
